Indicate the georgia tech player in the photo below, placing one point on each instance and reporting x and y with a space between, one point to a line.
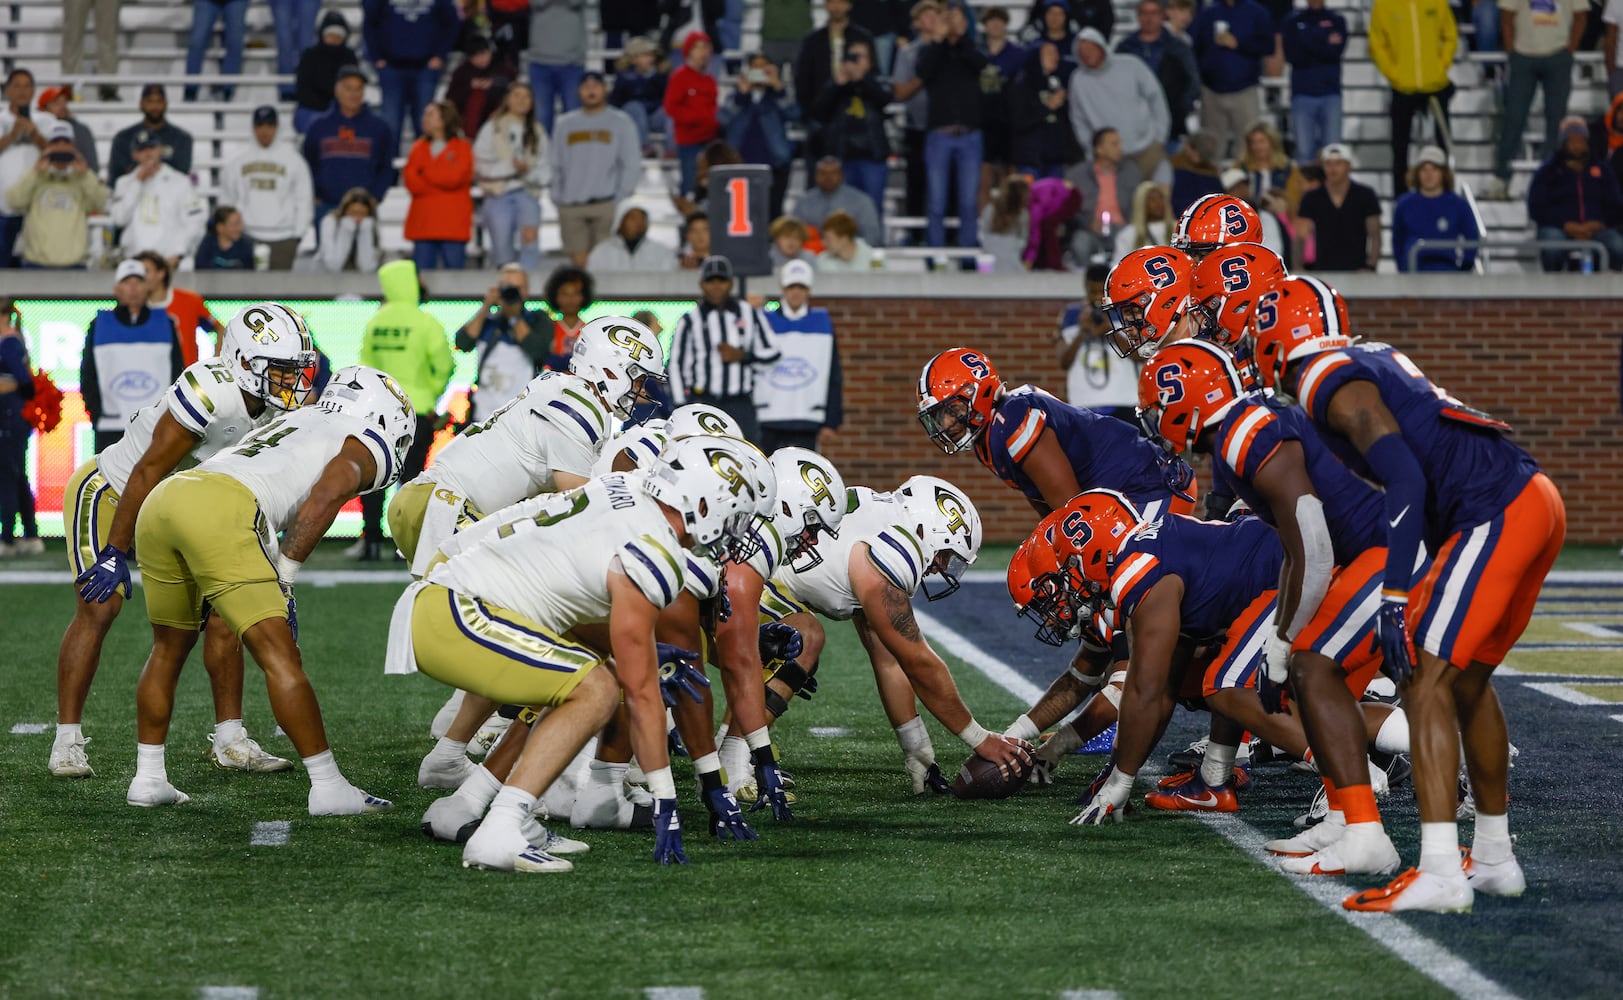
889 543
265 366
492 620
207 538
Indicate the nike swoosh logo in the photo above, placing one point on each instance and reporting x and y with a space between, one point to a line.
1396 520
1209 800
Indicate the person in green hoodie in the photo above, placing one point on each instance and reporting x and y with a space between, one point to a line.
410 345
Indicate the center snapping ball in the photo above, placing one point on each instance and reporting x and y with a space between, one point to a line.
979 778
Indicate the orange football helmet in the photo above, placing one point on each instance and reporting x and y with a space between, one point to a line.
1216 220
1302 316
1186 387
1145 296
1051 602
957 391
1092 528
1225 288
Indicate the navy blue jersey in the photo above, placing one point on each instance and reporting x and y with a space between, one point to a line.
1105 453
1224 567
1248 437
1473 471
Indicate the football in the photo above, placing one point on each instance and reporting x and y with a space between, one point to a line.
979 778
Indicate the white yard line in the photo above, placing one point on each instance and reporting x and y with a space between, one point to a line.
228 993
829 732
272 833
1561 692
31 728
1000 673
1089 995
1597 631
674 993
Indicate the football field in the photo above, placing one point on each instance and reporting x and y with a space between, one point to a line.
871 892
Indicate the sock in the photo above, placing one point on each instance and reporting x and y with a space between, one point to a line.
710 763
68 732
721 733
323 770
1358 804
227 733
448 750
149 761
735 760
1440 849
603 772
478 788
1217 768
1393 736
1332 799
512 803
711 776
1491 841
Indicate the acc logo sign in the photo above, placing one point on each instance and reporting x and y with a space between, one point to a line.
950 505
626 337
815 477
727 467
137 386
793 373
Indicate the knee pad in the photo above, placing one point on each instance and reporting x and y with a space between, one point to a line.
793 676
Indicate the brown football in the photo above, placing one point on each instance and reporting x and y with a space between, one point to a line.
979 778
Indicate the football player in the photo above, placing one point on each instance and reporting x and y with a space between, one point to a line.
1224 289
1147 300
1493 524
493 619
1322 642
888 545
266 363
1040 445
290 476
1215 220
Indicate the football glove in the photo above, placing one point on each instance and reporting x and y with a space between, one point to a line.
1392 630
679 673
769 784
668 833
726 819
110 574
780 642
292 610
1105 798
810 687
1271 680
673 743
926 774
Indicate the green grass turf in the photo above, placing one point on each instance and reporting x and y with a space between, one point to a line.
871 893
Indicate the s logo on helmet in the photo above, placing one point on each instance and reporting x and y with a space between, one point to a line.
1169 380
953 508
1233 220
1235 276
1077 530
1160 271
976 364
1267 312
626 337
727 467
814 477
258 322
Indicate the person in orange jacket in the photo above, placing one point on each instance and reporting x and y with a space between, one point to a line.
690 104
439 175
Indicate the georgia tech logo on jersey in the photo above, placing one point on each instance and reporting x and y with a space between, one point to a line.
817 479
953 508
626 337
447 496
710 423
728 468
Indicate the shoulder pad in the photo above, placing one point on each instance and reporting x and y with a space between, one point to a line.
654 568
898 555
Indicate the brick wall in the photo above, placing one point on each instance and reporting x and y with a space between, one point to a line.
1548 367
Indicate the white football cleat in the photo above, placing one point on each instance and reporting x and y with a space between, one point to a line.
344 800
68 760
639 795
243 754
446 715
552 843
748 792
488 734
500 846
452 819
1310 841
1415 890
148 792
1364 849
605 807
536 861
442 772
1496 878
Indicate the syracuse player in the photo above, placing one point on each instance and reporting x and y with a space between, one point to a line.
1040 445
1215 220
1147 300
1494 524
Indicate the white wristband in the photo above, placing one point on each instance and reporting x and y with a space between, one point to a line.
661 785
1023 729
973 734
287 570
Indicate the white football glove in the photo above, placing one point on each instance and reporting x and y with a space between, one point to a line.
1107 798
1048 756
918 763
1276 657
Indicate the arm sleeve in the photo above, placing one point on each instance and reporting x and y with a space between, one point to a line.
1080 126
630 158
681 357
1394 462
1259 38
440 361
449 20
834 412
1400 235
118 158
194 219
765 351
89 383
539 342
1153 97
335 243
371 29
122 205
382 164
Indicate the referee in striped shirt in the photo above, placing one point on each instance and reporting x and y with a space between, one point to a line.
718 347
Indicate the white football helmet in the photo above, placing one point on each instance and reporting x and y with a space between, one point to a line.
948 525
811 500
617 355
763 483
378 402
269 351
707 481
702 418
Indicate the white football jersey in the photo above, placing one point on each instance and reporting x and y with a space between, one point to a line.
549 558
643 442
281 461
557 424
874 522
206 400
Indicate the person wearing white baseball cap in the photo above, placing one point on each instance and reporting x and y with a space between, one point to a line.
55 199
1343 215
1431 210
131 356
800 398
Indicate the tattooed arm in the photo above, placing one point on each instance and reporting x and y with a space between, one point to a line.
891 635
350 472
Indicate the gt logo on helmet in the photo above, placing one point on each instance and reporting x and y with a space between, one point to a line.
817 479
727 467
957 520
624 336
1160 271
395 390
258 321
708 422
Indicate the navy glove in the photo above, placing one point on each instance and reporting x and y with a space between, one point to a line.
726 819
668 833
1392 630
810 687
1272 694
722 605
769 784
110 573
679 673
292 611
674 744
935 782
780 642
1178 477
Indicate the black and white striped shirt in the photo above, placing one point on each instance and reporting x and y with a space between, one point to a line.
697 369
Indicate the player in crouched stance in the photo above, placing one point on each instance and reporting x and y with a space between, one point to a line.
493 620
208 540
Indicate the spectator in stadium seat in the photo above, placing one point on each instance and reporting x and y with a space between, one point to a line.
1613 18
783 24
909 89
131 355
175 142
1268 168
269 182
318 69
1050 21
511 341
232 16
691 104
1180 15
1575 198
596 164
843 248
509 28
1097 14
639 91
1277 234
1119 93
1004 60
1152 220
951 67
695 242
349 234
1315 40
294 23
55 101
513 165
225 247
349 146
1096 375
1231 38
850 109
631 249
1412 43
755 122
789 238
439 176
829 194
191 314
1043 143
1171 60
76 16
1195 171
1540 37
407 42
21 142
1107 182
886 21
478 85
1006 225
557 56
569 292
820 52
55 199
622 19
1055 203
1343 218
157 206
1433 211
